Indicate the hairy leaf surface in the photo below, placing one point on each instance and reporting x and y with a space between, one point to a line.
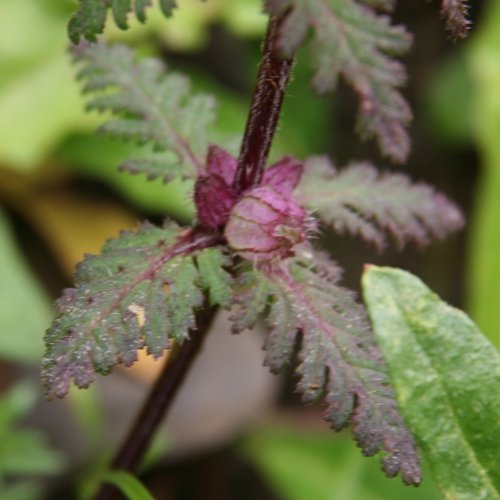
152 106
352 41
447 377
90 20
339 359
456 14
142 291
360 200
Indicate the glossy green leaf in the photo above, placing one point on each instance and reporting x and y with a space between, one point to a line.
447 378
21 337
484 62
128 484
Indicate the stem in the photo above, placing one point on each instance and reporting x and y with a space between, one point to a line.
159 400
272 80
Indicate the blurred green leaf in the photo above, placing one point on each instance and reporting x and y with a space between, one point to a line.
484 269
23 451
448 102
16 403
128 484
98 157
39 100
24 309
447 378
27 452
304 466
26 490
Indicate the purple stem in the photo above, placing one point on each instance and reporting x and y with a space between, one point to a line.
272 81
130 455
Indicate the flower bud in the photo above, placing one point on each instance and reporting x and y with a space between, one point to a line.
265 224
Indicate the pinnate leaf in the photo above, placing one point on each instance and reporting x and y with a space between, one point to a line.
152 106
90 20
142 291
352 41
364 202
339 359
447 378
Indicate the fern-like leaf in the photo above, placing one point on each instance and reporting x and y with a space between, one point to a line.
339 359
364 202
352 41
141 291
90 20
152 106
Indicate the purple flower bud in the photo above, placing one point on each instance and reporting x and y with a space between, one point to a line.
260 224
264 224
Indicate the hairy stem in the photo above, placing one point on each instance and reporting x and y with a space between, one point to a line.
272 81
157 404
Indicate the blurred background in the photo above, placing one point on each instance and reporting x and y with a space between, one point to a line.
236 432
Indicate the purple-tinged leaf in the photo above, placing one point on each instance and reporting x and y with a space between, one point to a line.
359 200
339 359
152 106
140 292
456 14
352 41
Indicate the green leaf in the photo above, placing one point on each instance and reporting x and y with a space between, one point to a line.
90 20
140 292
364 202
128 484
484 272
16 404
26 451
151 106
339 360
19 292
23 451
214 278
305 464
352 41
447 377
